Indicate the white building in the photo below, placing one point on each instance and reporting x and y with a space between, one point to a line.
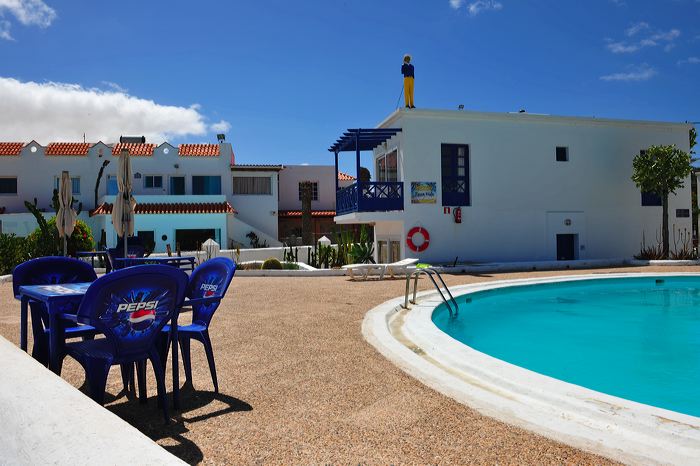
322 178
529 187
184 194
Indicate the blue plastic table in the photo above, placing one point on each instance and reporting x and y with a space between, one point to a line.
176 261
56 298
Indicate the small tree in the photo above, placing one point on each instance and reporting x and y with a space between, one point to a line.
661 170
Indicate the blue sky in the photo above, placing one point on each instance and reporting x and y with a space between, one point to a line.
283 79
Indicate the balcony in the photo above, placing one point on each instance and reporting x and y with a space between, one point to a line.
370 196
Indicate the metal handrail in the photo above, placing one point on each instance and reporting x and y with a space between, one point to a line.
430 273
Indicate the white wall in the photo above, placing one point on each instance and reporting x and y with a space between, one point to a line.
259 211
324 175
520 195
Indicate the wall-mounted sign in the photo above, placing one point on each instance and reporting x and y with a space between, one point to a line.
423 192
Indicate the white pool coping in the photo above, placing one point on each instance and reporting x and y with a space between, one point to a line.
620 429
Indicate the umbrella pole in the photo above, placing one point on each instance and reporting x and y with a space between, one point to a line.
65 246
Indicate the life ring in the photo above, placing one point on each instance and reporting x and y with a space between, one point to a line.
426 239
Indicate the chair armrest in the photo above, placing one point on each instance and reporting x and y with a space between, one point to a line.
209 300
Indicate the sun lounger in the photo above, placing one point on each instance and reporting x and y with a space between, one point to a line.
395 268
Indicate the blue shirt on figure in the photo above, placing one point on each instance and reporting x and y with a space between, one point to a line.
407 70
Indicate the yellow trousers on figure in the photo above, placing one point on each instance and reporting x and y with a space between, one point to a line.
408 91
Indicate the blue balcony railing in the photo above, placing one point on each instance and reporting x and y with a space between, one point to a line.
370 197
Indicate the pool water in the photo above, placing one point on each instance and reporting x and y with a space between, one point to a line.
635 338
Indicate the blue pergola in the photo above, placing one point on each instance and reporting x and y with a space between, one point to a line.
365 196
358 140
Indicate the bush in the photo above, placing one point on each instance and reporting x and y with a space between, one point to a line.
272 264
13 251
43 244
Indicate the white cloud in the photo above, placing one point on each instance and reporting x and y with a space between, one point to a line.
115 87
621 47
689 61
5 30
221 127
639 73
651 39
476 7
635 28
63 112
27 12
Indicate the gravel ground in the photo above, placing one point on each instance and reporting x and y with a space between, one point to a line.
300 385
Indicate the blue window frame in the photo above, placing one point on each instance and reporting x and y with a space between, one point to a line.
75 184
455 175
206 185
650 199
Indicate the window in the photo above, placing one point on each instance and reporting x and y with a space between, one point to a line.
148 239
387 167
260 185
455 175
314 191
75 184
206 185
683 213
650 199
112 186
562 154
152 181
8 185
177 185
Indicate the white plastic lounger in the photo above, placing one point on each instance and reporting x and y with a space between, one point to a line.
395 268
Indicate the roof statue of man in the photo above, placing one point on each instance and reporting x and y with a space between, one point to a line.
408 77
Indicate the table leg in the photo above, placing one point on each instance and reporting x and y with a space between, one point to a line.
176 365
23 323
55 334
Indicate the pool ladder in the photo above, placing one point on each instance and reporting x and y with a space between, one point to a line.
431 273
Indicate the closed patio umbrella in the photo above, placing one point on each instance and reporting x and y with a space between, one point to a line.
66 216
124 204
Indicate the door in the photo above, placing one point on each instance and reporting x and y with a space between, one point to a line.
177 185
566 247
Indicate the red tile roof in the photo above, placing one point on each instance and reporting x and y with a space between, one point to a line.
256 167
172 208
11 148
345 177
134 149
68 148
199 150
297 213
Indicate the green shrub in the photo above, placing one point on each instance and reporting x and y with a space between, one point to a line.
290 266
49 244
13 251
272 264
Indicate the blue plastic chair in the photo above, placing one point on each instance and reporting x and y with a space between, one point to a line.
130 307
115 253
207 286
51 271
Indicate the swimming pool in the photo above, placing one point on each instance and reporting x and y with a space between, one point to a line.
563 367
635 338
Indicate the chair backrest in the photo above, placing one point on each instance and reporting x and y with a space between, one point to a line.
131 306
51 270
135 250
211 279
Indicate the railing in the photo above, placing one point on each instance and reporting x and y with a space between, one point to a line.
371 196
431 273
